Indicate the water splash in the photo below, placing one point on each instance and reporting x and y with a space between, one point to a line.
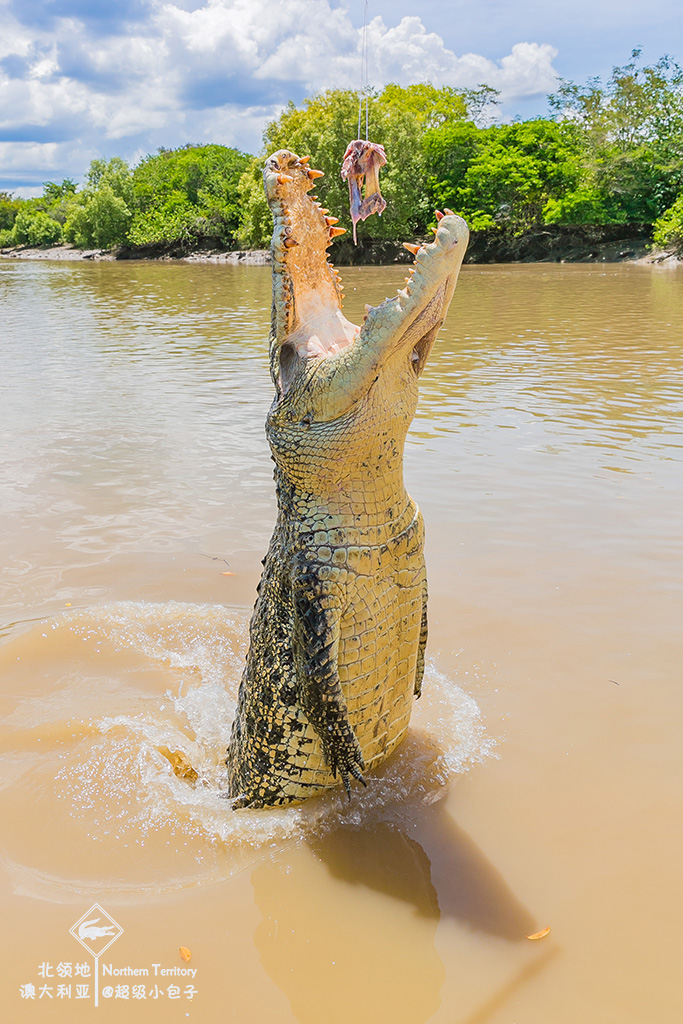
128 775
108 697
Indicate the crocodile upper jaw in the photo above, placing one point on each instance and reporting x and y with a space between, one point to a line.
308 322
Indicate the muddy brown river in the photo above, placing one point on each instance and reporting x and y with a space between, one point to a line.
541 781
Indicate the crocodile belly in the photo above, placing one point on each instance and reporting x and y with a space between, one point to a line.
276 755
378 656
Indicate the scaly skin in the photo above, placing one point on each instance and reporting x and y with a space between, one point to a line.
339 628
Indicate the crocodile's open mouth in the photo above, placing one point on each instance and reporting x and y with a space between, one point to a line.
308 322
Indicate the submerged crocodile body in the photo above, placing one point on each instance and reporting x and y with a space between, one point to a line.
338 632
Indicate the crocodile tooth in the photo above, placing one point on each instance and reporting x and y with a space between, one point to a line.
414 249
368 307
315 174
290 242
439 215
337 231
449 213
435 230
304 159
282 179
331 220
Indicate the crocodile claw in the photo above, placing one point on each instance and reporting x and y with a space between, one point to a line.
238 802
344 757
344 774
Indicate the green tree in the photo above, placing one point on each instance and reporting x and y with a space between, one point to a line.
102 222
584 204
632 137
114 173
188 195
9 208
59 199
54 192
432 107
35 227
668 229
102 216
504 175
322 128
256 223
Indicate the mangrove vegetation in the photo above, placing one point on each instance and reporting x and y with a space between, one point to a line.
608 154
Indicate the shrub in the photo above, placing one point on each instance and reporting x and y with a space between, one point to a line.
9 207
35 227
173 221
43 230
101 222
256 226
187 196
668 231
585 204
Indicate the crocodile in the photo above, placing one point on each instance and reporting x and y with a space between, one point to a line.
338 632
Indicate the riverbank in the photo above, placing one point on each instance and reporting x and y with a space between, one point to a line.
251 257
549 244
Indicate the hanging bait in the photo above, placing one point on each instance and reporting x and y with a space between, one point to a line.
362 161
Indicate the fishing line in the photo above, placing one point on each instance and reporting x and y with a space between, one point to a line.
364 78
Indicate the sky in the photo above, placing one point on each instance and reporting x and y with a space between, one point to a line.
83 79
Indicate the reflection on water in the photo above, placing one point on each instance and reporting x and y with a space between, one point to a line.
311 933
136 501
456 879
417 873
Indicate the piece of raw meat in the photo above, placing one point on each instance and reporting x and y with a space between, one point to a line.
362 161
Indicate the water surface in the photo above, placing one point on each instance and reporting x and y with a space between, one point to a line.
541 780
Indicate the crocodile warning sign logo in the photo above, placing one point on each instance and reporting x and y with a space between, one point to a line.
96 930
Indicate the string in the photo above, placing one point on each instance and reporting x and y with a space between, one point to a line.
364 78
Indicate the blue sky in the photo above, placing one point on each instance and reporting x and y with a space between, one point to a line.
81 79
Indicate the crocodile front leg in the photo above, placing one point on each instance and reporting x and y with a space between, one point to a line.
317 606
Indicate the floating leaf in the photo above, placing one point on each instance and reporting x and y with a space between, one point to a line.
539 935
185 953
228 574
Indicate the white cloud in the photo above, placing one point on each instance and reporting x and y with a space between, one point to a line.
216 73
408 53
